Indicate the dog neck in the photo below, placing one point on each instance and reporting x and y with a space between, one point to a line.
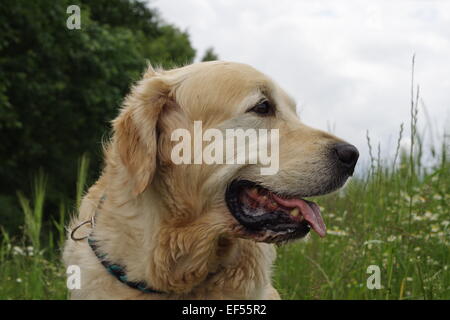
182 260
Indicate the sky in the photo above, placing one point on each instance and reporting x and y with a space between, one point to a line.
346 63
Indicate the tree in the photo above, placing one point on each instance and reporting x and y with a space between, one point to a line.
210 55
162 44
60 88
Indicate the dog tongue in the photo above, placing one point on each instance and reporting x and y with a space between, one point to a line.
309 210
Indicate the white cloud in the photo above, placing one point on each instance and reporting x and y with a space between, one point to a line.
347 63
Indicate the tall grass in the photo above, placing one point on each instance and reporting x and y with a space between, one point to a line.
30 266
394 216
375 221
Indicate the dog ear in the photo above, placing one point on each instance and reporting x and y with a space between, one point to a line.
134 130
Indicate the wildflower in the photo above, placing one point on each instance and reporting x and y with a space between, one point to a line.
30 250
429 216
434 228
404 195
369 243
437 197
391 238
418 199
18 251
19 280
432 261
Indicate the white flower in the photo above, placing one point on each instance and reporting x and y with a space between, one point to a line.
434 228
30 250
373 242
431 216
391 238
369 243
18 250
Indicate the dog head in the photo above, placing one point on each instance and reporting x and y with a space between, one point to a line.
203 178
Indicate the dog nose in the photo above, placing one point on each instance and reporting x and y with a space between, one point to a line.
347 154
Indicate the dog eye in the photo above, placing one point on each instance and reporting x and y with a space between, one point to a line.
263 108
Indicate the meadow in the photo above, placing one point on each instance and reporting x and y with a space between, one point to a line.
395 216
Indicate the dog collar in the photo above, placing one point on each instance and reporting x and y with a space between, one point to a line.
116 270
119 271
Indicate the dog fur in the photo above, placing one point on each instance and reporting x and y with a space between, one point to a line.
169 224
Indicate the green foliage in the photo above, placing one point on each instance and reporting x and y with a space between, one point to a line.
170 49
396 217
33 216
375 221
210 55
30 265
83 168
161 44
59 88
368 224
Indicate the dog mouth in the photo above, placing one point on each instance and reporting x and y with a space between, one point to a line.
270 217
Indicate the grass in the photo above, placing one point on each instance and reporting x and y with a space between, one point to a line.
386 219
394 216
31 266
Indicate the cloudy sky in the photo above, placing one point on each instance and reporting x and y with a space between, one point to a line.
346 63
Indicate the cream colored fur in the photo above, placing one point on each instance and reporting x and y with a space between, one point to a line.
169 224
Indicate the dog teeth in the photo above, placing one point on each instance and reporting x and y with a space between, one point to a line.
295 212
272 206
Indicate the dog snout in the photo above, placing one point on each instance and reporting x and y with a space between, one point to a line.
347 156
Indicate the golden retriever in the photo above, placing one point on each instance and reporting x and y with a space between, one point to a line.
200 231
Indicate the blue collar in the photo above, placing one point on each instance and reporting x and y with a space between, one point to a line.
117 270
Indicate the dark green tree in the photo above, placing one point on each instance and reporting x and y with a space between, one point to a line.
60 88
210 55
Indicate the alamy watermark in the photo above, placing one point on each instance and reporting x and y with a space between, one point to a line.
73 22
234 146
73 277
374 280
